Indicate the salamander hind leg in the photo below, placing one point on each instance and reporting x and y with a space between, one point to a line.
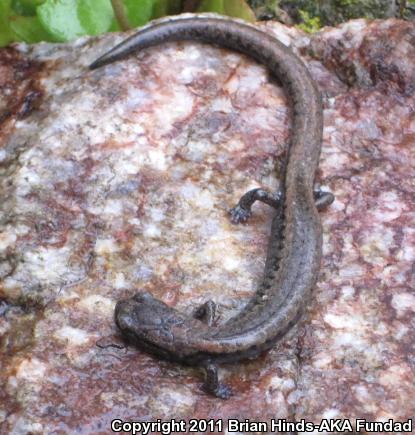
212 384
242 211
206 312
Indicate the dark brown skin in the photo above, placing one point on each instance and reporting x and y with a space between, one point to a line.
294 250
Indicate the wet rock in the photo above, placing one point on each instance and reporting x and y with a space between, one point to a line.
121 179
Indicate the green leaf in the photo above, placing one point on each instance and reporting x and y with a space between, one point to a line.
26 7
212 6
28 29
6 35
139 12
173 7
68 19
232 8
115 27
161 8
240 9
95 15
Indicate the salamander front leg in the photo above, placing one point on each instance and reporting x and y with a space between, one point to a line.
212 384
322 199
242 211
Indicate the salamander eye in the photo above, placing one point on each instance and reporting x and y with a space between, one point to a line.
143 297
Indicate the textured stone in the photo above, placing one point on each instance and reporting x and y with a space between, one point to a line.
121 179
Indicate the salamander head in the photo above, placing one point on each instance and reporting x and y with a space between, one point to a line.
148 323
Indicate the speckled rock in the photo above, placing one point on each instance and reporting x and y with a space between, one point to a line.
121 179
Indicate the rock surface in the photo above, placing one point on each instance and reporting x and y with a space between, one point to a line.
121 179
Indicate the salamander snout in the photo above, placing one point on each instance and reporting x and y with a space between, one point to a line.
136 313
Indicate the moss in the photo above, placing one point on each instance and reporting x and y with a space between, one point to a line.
309 24
336 11
310 15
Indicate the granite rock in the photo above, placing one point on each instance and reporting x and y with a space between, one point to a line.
120 179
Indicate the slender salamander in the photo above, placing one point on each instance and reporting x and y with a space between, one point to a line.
294 249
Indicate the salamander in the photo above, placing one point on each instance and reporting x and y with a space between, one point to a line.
294 249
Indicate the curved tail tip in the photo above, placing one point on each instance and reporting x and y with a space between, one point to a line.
95 64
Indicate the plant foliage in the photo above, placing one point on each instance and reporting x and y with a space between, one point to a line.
63 20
